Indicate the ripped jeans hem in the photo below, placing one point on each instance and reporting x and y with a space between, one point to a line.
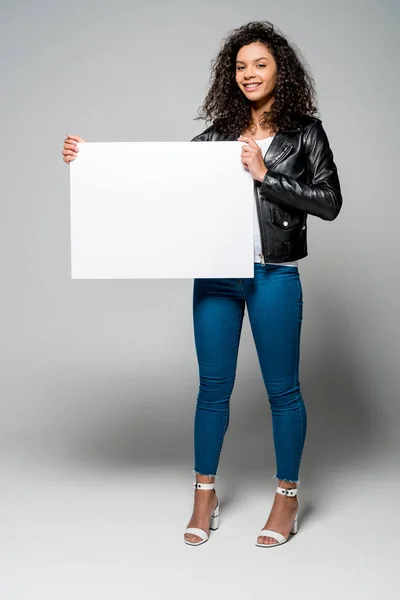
206 474
297 481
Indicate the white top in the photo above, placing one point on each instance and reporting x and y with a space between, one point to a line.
264 145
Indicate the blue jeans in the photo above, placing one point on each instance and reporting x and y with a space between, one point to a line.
274 301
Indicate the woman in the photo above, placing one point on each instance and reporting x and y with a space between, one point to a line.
262 95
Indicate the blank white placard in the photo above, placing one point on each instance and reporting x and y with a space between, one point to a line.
161 210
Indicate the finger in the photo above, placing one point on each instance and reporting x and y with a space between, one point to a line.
72 145
250 148
77 138
252 143
246 139
249 152
71 149
69 153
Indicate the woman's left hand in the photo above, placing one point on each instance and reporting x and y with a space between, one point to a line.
252 158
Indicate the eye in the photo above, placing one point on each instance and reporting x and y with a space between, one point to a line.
259 65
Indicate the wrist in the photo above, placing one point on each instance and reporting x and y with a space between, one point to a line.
263 174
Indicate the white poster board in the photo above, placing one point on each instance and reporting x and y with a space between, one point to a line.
161 210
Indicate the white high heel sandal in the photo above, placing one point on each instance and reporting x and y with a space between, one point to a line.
275 534
214 517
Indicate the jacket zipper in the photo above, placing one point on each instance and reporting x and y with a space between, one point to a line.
263 245
262 256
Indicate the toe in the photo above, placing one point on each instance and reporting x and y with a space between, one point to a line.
271 540
191 537
262 539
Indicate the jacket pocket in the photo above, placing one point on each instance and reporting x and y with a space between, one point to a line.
283 219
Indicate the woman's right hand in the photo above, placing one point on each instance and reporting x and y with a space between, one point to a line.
70 149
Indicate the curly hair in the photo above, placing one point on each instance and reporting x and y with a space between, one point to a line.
294 93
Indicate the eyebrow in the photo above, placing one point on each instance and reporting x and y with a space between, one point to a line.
255 60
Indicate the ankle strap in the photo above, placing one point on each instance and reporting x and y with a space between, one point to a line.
286 491
203 486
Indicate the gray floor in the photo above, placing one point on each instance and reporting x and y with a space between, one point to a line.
76 530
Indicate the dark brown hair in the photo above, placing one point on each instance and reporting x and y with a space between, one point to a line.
294 95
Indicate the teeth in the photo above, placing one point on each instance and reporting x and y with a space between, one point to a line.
251 85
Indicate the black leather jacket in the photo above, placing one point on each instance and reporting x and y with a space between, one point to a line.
302 179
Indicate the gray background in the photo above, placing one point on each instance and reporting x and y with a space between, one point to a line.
99 378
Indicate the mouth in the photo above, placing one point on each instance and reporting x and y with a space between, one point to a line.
251 86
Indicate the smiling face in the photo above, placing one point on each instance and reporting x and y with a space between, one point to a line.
256 72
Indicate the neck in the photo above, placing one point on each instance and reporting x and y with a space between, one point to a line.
258 107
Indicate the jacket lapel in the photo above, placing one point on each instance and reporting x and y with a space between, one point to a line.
278 149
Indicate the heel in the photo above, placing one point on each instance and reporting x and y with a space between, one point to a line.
214 519
214 523
295 525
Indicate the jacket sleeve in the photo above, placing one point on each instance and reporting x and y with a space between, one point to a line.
203 136
322 197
